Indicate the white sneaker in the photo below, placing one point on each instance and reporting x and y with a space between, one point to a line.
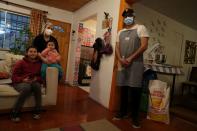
36 116
136 126
16 119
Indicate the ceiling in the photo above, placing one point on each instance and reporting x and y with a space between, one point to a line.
179 10
69 5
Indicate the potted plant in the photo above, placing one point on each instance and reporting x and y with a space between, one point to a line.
25 39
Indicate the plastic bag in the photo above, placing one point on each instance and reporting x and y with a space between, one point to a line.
158 101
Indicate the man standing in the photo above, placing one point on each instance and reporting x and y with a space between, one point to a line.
132 41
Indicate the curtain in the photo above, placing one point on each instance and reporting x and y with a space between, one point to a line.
37 19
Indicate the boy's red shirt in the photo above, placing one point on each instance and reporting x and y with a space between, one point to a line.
26 68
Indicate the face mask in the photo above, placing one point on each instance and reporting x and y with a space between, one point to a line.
129 20
48 32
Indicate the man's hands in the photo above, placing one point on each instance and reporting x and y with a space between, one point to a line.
126 62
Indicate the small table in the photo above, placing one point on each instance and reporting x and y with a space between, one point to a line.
167 70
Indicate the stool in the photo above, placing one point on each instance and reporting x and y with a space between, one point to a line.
188 84
192 80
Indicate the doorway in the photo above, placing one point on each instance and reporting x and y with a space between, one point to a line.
61 31
87 34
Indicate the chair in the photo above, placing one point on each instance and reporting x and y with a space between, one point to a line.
192 81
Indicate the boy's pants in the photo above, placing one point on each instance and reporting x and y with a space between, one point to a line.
25 90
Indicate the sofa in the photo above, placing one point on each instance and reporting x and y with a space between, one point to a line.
8 94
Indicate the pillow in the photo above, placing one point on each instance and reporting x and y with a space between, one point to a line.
2 53
9 57
10 60
4 75
4 72
3 66
7 90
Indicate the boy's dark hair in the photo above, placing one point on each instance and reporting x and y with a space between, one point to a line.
31 46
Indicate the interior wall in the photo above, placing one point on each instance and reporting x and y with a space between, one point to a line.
90 23
101 80
172 35
53 13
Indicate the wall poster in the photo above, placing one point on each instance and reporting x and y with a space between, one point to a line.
190 52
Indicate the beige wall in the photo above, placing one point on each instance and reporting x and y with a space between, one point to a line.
172 38
90 24
101 80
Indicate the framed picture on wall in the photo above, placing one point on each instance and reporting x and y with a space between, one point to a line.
190 52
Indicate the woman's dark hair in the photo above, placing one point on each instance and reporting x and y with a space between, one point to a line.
31 46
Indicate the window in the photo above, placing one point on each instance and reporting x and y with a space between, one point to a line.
11 27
